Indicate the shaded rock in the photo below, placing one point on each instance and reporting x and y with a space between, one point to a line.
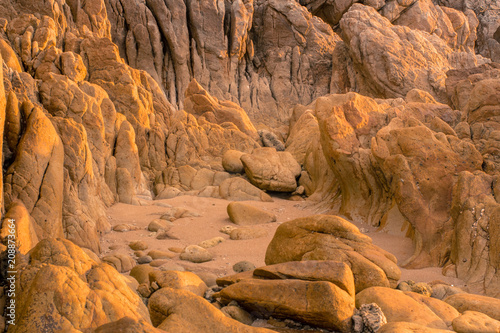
24 236
327 237
243 266
396 307
231 279
475 322
238 189
271 170
231 161
180 311
442 291
237 313
179 280
319 303
128 325
243 214
419 287
144 260
470 302
196 254
141 273
269 139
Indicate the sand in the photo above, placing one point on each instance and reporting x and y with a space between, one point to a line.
193 230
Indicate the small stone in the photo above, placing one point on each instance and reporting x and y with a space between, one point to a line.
211 242
139 254
243 266
227 229
176 249
144 260
247 233
124 227
159 224
163 234
196 254
156 254
138 245
243 214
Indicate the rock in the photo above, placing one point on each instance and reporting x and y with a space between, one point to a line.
442 291
368 318
243 214
468 302
318 303
269 139
144 260
157 254
243 266
163 234
159 262
180 311
397 306
227 229
404 327
232 279
475 322
141 273
327 237
53 267
121 262
138 245
127 324
206 244
179 280
335 272
238 189
446 312
196 254
237 313
158 224
231 161
271 170
171 267
124 227
207 277
18 218
419 287
248 233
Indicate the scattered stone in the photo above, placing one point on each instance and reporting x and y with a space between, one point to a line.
245 233
211 242
125 227
114 247
138 245
443 290
227 229
269 139
144 260
159 224
243 214
163 234
196 254
243 266
157 254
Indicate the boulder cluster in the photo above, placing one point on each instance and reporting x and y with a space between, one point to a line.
383 112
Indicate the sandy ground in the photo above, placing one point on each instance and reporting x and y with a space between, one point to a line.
194 230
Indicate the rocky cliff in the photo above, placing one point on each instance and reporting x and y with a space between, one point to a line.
382 108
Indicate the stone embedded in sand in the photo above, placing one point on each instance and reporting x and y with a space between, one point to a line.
271 170
243 214
164 234
157 254
243 266
231 161
227 229
318 303
328 237
158 224
180 311
138 245
125 227
179 280
196 254
206 244
248 233
237 313
470 302
475 322
335 272
397 306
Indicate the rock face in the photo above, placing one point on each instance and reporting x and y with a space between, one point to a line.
327 237
68 277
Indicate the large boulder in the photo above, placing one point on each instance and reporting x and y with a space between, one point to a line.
470 302
328 237
319 303
271 170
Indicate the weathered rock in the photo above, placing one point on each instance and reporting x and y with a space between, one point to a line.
128 325
121 262
237 313
158 224
19 226
327 237
269 139
231 161
271 170
138 245
397 307
178 280
196 254
319 303
406 327
368 318
475 322
206 244
470 302
180 311
239 189
446 312
243 214
244 233
141 273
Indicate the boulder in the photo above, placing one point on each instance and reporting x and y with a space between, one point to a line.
238 189
180 311
178 280
469 302
196 254
406 327
328 237
475 322
231 161
243 214
319 303
271 170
